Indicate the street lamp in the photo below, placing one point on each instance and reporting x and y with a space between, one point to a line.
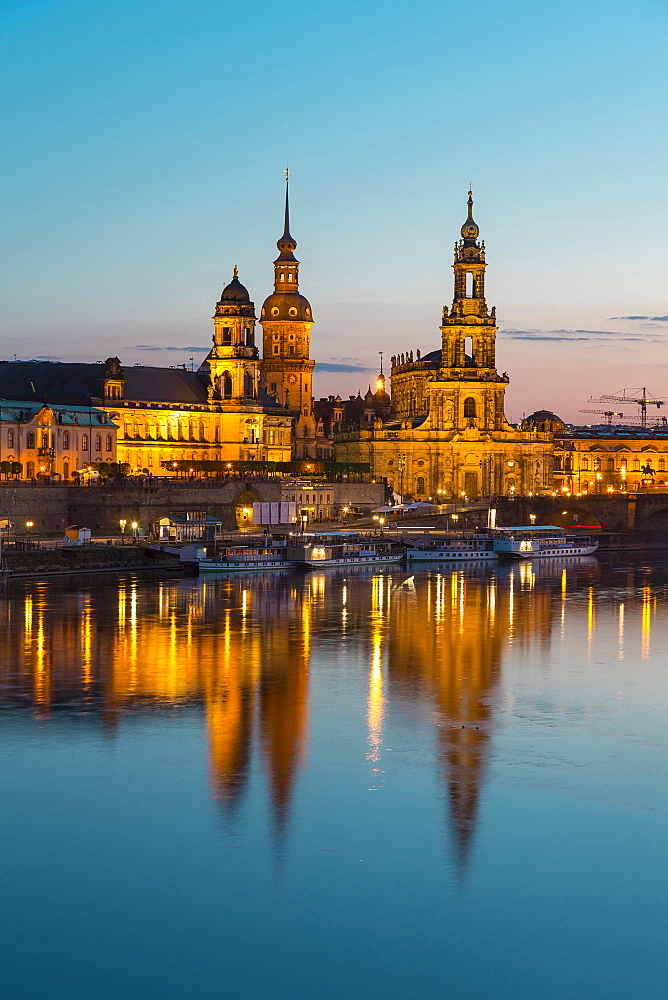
122 523
29 525
381 522
532 518
135 527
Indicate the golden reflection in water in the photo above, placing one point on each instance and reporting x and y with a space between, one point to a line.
375 702
591 621
646 622
239 652
620 633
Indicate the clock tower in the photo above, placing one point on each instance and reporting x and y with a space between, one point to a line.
286 320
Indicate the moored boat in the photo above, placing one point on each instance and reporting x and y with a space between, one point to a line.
319 550
540 542
451 548
245 559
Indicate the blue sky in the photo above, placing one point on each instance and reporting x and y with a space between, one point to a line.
144 145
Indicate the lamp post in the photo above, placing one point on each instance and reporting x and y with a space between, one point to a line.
532 518
122 523
135 529
455 518
381 522
29 525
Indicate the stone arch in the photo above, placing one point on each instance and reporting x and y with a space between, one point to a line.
574 516
243 508
656 520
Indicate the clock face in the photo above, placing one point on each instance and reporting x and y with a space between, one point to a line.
292 379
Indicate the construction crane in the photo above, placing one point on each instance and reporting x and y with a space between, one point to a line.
605 413
636 397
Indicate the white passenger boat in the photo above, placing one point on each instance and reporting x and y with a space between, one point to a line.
451 548
540 541
311 550
245 559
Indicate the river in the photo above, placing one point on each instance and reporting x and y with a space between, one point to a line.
346 784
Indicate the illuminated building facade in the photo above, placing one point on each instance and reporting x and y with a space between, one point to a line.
157 416
447 433
606 460
55 440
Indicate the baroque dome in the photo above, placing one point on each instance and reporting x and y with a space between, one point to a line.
287 307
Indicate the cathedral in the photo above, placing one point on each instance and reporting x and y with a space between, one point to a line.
237 407
446 434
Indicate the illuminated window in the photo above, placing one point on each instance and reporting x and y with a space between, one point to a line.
10 439
584 465
662 465
84 442
419 484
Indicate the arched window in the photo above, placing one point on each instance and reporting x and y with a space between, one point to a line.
30 470
469 285
469 358
110 442
98 442
584 465
66 470
469 407
227 336
248 385
419 484
226 385
66 440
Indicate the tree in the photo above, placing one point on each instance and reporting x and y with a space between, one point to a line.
5 469
17 468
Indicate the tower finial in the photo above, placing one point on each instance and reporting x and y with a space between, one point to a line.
286 231
381 361
236 271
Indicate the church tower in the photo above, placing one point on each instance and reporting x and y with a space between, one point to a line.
286 321
468 344
233 361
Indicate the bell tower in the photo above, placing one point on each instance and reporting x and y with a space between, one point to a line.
286 320
233 362
468 345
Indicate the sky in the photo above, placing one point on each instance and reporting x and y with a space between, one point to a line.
144 148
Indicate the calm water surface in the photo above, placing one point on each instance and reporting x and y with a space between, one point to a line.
347 784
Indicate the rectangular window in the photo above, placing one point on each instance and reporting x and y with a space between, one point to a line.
84 442
227 336
30 440
66 440
275 348
10 439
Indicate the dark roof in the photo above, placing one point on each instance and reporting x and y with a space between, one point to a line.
53 382
50 381
164 385
433 359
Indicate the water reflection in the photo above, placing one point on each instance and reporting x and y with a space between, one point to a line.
240 651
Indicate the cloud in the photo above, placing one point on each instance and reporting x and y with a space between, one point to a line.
648 319
325 366
572 336
46 357
154 347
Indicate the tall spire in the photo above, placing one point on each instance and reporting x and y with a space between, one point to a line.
286 230
287 245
